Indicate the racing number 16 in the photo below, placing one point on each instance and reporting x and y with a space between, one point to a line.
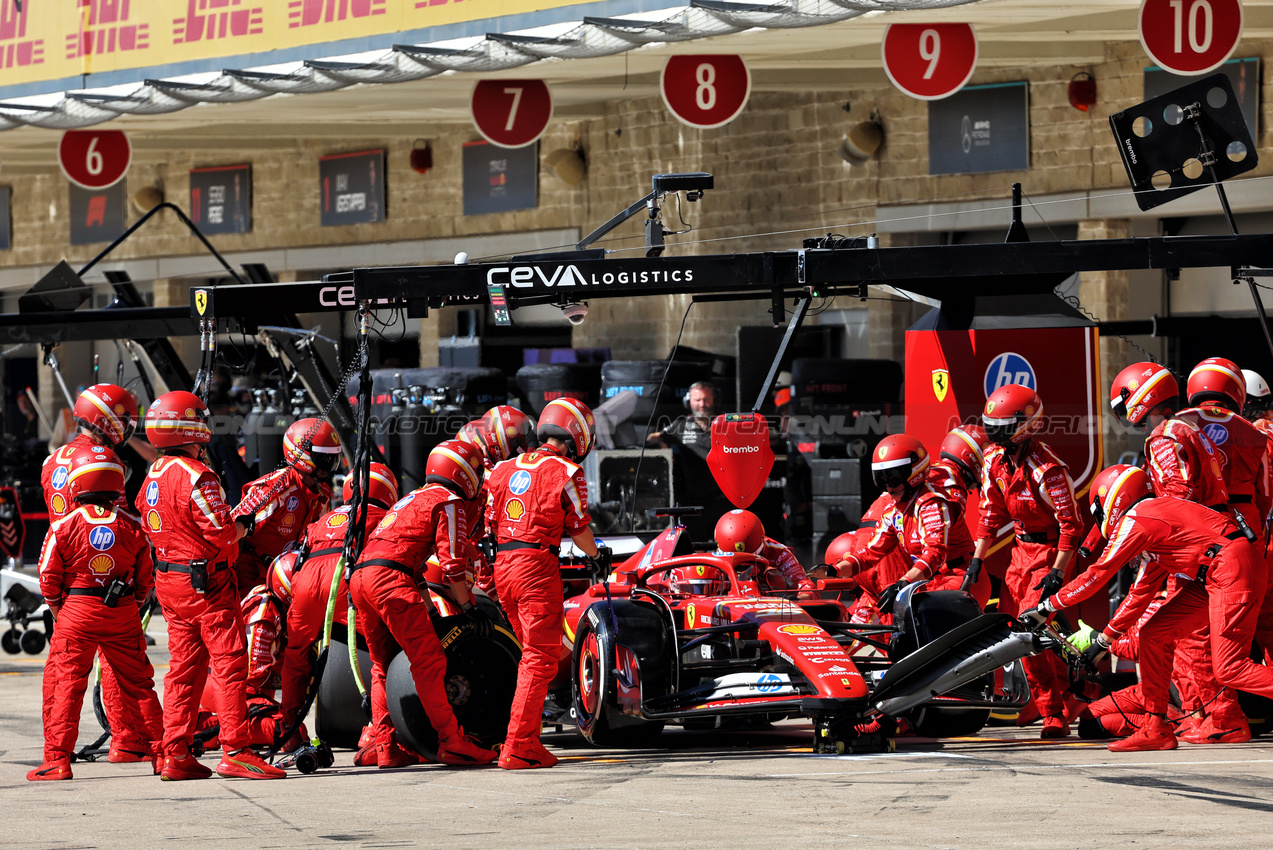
1200 26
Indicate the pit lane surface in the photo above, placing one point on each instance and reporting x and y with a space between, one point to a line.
760 788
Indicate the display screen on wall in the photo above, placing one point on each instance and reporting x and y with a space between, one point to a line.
6 218
981 128
500 179
221 198
97 215
353 187
1244 74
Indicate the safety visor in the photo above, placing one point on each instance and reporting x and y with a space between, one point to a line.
1000 431
891 473
326 458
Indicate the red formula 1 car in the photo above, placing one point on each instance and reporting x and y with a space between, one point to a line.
695 638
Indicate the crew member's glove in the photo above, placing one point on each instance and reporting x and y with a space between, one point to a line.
1038 617
605 557
1098 648
482 625
1082 638
1050 584
971 575
807 589
889 596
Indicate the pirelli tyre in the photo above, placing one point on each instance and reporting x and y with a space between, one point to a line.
939 722
541 383
481 679
338 712
622 656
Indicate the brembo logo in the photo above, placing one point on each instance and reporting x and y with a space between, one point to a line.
738 450
558 276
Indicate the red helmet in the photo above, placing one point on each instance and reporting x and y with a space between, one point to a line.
382 489
94 470
1013 415
456 466
311 445
964 447
899 459
739 531
177 418
571 421
1114 491
1218 380
109 410
279 579
841 547
474 433
1140 388
506 432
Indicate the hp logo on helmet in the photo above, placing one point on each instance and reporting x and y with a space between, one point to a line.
1009 368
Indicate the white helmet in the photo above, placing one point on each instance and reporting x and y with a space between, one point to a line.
1256 386
1258 398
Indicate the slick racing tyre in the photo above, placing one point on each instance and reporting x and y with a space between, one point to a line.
481 678
607 705
338 714
931 721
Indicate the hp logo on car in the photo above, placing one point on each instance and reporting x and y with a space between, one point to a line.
768 683
1009 368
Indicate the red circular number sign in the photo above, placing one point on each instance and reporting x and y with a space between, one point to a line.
511 113
930 61
94 159
705 91
1190 36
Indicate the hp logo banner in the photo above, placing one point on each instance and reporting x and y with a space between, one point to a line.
1009 368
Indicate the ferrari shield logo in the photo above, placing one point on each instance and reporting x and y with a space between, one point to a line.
941 383
201 300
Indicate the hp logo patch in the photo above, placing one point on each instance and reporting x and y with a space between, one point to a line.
152 493
519 483
292 502
768 683
1217 433
1009 368
60 476
101 538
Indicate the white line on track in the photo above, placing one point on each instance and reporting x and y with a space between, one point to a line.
1025 767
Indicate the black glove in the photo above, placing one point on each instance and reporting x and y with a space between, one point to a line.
889 596
1097 651
1050 584
971 575
605 557
482 625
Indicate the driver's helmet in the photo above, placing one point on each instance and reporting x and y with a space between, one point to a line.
698 580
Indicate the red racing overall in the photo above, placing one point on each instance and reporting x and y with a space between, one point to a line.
53 481
928 530
385 591
83 553
283 507
185 516
536 499
1037 497
311 586
1223 582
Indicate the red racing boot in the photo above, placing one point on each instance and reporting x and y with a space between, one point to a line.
1219 730
1055 727
246 764
366 756
462 750
1155 734
394 754
525 755
186 767
51 771
119 755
